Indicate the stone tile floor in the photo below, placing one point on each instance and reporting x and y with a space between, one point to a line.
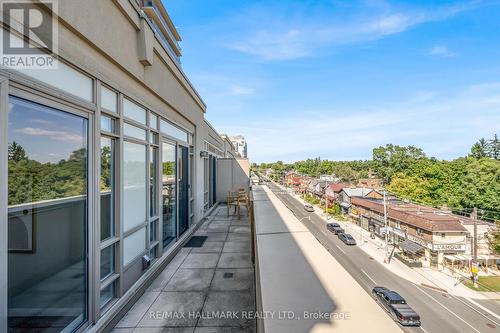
202 290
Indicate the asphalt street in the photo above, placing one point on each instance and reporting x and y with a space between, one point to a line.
440 312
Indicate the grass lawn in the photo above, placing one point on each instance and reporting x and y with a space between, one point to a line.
485 283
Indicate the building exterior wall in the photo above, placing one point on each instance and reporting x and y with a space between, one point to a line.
110 45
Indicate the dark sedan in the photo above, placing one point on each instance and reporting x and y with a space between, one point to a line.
397 307
347 239
335 228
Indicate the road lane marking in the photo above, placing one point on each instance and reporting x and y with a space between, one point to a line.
484 309
368 276
453 313
338 247
423 329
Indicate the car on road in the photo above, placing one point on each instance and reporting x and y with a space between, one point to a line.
308 208
335 228
347 239
396 306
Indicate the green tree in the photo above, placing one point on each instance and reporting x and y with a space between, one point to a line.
494 238
16 153
392 159
494 148
479 149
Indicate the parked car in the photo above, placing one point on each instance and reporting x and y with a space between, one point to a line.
397 307
347 239
308 208
335 228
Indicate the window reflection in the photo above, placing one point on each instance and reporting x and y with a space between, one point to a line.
47 269
169 193
107 187
153 181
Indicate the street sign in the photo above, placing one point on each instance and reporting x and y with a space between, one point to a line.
474 268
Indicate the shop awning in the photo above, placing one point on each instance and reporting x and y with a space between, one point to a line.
345 204
468 257
410 246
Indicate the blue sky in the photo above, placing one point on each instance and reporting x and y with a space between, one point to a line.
335 78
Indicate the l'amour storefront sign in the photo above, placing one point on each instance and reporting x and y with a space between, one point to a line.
448 247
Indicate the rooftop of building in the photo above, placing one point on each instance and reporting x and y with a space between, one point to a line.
423 217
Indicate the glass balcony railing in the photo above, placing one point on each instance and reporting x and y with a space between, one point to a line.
162 27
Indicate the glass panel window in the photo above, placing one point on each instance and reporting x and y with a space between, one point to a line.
107 294
153 120
153 252
153 138
107 187
134 111
47 218
153 181
65 78
107 262
107 124
109 99
153 231
134 132
169 193
173 131
134 185
134 245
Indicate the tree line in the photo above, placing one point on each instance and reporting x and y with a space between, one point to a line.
459 184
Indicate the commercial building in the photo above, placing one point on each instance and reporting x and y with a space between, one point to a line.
423 234
107 165
240 144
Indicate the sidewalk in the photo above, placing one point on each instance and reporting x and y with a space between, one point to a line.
201 282
375 248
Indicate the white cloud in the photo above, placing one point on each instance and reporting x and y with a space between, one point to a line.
441 51
444 127
53 135
288 37
237 90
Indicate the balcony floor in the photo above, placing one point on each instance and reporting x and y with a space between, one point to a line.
203 289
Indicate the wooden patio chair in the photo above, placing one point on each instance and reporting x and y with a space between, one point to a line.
232 201
243 200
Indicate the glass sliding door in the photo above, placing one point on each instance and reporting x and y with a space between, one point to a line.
169 193
135 187
47 218
183 189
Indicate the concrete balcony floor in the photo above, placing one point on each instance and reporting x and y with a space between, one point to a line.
203 289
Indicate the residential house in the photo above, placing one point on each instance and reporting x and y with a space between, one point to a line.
304 184
329 178
292 179
332 192
346 194
317 188
373 183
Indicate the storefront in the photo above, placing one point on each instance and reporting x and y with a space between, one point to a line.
377 227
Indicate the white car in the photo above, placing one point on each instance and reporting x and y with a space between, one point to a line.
308 208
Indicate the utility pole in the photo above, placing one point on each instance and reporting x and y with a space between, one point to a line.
386 229
474 248
474 218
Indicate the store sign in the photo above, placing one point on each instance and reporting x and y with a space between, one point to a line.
398 232
448 247
417 240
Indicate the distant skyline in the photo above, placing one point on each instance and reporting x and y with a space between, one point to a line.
302 79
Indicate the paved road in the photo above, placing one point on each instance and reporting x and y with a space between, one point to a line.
439 312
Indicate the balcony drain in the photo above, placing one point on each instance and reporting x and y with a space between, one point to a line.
228 275
196 241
